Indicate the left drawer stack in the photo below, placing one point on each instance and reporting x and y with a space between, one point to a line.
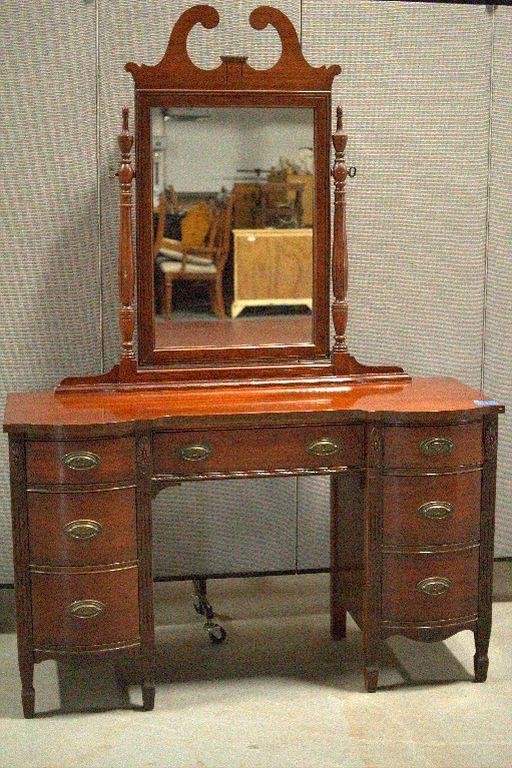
83 565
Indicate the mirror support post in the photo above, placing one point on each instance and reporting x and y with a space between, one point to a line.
339 248
127 364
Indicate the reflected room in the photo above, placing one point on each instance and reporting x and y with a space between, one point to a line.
233 217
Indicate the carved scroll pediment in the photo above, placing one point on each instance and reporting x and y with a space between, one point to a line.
176 70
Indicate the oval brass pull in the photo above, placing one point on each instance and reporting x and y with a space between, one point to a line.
82 530
324 446
81 460
435 510
86 609
434 585
195 452
437 446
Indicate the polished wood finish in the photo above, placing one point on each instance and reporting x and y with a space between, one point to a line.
116 463
406 521
55 541
239 450
402 601
366 437
53 594
95 413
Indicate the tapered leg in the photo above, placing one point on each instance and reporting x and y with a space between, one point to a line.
371 648
148 696
481 659
338 611
28 695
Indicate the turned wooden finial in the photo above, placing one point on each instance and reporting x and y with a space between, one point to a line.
339 249
126 266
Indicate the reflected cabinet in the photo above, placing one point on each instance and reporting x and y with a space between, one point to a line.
227 278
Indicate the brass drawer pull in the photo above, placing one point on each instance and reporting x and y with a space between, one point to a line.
434 585
324 446
435 510
86 609
437 446
82 530
81 460
195 452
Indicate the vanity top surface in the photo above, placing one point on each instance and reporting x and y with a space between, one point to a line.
422 395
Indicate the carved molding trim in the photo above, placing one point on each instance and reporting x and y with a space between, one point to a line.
176 69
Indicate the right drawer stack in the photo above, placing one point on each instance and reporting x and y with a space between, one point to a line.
431 523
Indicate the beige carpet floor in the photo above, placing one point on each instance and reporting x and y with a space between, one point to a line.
278 694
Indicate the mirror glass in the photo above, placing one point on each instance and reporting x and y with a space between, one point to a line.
233 216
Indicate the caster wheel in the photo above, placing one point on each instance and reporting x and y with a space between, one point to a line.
216 634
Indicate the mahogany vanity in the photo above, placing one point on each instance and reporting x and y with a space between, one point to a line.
412 461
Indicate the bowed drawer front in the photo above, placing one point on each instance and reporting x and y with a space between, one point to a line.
432 509
433 447
225 451
85 609
430 587
82 528
82 462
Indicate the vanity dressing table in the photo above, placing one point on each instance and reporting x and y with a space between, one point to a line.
412 461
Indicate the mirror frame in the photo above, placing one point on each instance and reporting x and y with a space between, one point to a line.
318 347
290 78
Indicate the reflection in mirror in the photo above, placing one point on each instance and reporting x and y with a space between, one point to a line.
233 205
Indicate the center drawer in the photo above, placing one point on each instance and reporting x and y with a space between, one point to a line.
198 452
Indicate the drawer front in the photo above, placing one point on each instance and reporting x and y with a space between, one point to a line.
423 511
85 609
81 462
85 528
432 587
192 453
433 447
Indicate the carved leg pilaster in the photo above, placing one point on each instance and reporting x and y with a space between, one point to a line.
485 567
21 572
372 556
338 611
144 544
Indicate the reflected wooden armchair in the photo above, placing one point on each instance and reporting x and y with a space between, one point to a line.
173 261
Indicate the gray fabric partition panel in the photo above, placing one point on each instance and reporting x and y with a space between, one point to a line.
49 281
313 523
412 74
245 526
498 331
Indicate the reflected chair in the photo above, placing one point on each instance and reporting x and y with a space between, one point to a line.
175 261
